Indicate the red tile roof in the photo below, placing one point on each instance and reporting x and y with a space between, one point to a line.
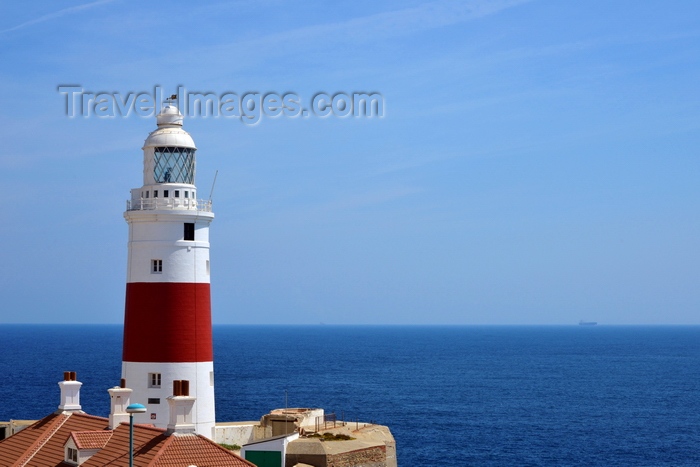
20 448
42 444
148 441
91 439
179 449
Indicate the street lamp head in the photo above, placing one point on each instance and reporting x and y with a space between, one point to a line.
136 408
131 410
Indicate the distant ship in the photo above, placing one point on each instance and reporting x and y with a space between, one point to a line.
587 323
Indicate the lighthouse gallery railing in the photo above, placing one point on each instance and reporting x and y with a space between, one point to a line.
145 204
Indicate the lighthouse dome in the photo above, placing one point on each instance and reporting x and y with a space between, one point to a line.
169 131
172 137
169 115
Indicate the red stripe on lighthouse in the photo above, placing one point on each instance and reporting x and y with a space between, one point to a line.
167 322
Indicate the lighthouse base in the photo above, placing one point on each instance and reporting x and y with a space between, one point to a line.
152 384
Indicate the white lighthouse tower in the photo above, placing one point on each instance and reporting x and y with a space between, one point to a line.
167 322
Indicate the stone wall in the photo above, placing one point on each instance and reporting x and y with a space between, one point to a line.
374 456
370 457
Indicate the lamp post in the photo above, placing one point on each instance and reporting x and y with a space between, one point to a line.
131 410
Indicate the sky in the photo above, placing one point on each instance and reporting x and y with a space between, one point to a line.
536 162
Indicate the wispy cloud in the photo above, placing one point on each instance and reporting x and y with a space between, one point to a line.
398 22
364 29
56 14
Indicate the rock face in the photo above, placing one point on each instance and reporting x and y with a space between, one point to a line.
372 446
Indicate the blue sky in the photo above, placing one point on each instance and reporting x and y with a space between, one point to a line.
537 161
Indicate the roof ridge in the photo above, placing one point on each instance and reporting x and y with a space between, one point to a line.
43 439
168 442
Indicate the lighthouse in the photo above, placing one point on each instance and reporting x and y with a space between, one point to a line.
167 318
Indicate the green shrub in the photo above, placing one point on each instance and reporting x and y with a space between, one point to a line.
331 437
230 447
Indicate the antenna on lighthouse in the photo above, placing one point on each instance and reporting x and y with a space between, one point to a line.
212 185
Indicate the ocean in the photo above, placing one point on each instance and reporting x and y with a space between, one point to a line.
452 396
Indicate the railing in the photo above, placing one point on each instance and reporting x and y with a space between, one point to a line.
327 420
149 204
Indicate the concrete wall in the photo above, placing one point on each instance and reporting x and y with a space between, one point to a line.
239 433
309 418
288 420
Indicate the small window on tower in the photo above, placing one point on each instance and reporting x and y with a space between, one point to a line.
153 380
189 231
147 194
156 266
155 193
165 193
187 194
154 400
208 268
177 193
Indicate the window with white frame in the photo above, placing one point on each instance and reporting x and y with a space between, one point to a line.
72 455
156 266
153 380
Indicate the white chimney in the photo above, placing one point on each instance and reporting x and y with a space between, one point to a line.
70 393
181 409
120 397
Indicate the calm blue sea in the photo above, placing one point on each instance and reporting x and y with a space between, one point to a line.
453 396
